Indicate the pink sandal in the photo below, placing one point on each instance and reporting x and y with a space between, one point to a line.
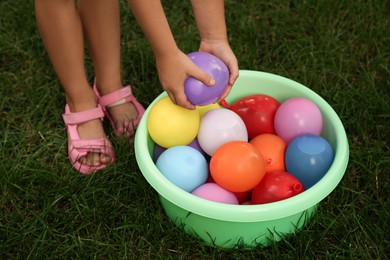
117 97
77 147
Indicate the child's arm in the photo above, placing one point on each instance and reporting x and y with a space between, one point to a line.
210 20
172 64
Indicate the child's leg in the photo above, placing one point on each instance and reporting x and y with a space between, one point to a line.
101 23
62 35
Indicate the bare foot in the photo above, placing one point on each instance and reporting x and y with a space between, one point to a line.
91 130
123 115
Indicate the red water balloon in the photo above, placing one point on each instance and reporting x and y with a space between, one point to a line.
276 186
258 112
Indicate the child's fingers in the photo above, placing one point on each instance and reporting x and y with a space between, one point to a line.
180 99
234 72
202 76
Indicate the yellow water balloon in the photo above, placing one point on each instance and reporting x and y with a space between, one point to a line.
204 109
170 125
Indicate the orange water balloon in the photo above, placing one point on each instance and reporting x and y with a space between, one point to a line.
273 149
237 166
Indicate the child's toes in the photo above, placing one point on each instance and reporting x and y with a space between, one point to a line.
92 159
105 158
96 159
83 160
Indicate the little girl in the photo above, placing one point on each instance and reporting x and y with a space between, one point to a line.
63 25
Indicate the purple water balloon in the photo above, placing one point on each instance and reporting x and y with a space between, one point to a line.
195 144
200 94
158 150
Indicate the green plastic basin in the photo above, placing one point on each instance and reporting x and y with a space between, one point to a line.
227 225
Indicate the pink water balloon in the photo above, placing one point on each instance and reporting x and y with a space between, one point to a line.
297 116
214 192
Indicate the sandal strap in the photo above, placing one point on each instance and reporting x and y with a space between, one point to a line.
82 116
88 144
81 148
116 96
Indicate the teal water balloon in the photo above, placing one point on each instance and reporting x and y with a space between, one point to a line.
308 157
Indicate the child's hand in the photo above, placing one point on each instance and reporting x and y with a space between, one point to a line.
173 70
222 50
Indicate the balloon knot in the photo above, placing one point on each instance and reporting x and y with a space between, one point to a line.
224 103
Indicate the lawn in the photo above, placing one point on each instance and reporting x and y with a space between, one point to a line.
340 49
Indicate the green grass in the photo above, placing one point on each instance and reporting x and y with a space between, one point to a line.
340 49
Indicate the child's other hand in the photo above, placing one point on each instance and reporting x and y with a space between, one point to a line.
222 50
173 69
